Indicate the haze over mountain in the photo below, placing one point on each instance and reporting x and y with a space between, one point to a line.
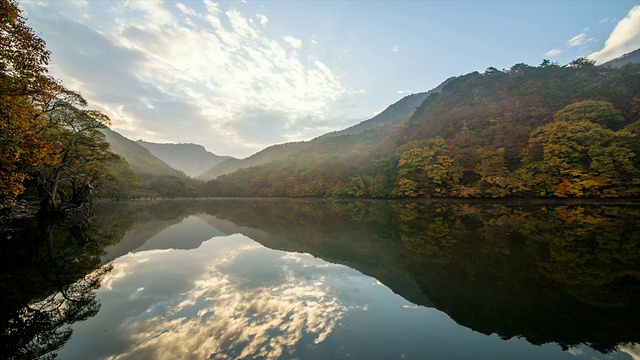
139 158
192 159
265 156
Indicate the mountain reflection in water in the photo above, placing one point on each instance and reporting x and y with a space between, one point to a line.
267 279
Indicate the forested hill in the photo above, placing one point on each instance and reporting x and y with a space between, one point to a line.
530 131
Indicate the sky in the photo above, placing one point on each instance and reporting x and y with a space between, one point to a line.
239 76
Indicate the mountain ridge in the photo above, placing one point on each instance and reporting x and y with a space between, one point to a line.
192 159
139 158
393 113
264 156
630 57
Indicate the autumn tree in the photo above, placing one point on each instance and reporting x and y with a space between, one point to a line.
426 168
579 157
83 157
582 63
121 180
24 83
384 171
493 173
599 112
169 186
354 188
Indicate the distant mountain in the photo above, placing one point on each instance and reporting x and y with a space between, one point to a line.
192 159
262 157
632 57
393 113
139 158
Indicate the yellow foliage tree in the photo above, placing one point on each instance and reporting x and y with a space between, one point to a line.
24 87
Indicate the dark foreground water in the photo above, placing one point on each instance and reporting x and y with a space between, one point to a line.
280 279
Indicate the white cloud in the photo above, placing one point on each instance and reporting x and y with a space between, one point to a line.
204 76
395 48
263 19
294 42
554 52
578 40
624 38
185 9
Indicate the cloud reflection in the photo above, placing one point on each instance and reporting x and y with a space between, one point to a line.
231 299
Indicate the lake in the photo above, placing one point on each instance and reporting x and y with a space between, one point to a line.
315 279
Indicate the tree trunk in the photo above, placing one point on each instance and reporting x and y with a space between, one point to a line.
54 187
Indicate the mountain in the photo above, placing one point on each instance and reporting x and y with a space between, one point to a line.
262 157
393 113
632 57
529 131
383 122
192 159
139 158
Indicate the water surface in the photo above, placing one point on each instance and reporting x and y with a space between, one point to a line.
227 279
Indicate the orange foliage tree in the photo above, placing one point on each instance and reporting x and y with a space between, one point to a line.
24 87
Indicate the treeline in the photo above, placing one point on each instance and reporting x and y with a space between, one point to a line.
530 131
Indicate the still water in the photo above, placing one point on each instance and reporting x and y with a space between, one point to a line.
287 279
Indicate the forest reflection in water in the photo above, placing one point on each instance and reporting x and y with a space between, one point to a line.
262 278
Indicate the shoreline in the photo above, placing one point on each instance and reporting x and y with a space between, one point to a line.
25 209
577 201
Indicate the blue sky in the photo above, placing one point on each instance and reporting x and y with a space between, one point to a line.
238 76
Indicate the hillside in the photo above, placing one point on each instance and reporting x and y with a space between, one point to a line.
529 131
393 113
262 157
139 158
192 159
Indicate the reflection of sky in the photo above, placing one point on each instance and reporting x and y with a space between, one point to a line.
633 350
232 298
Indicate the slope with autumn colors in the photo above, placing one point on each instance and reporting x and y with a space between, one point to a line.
529 131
